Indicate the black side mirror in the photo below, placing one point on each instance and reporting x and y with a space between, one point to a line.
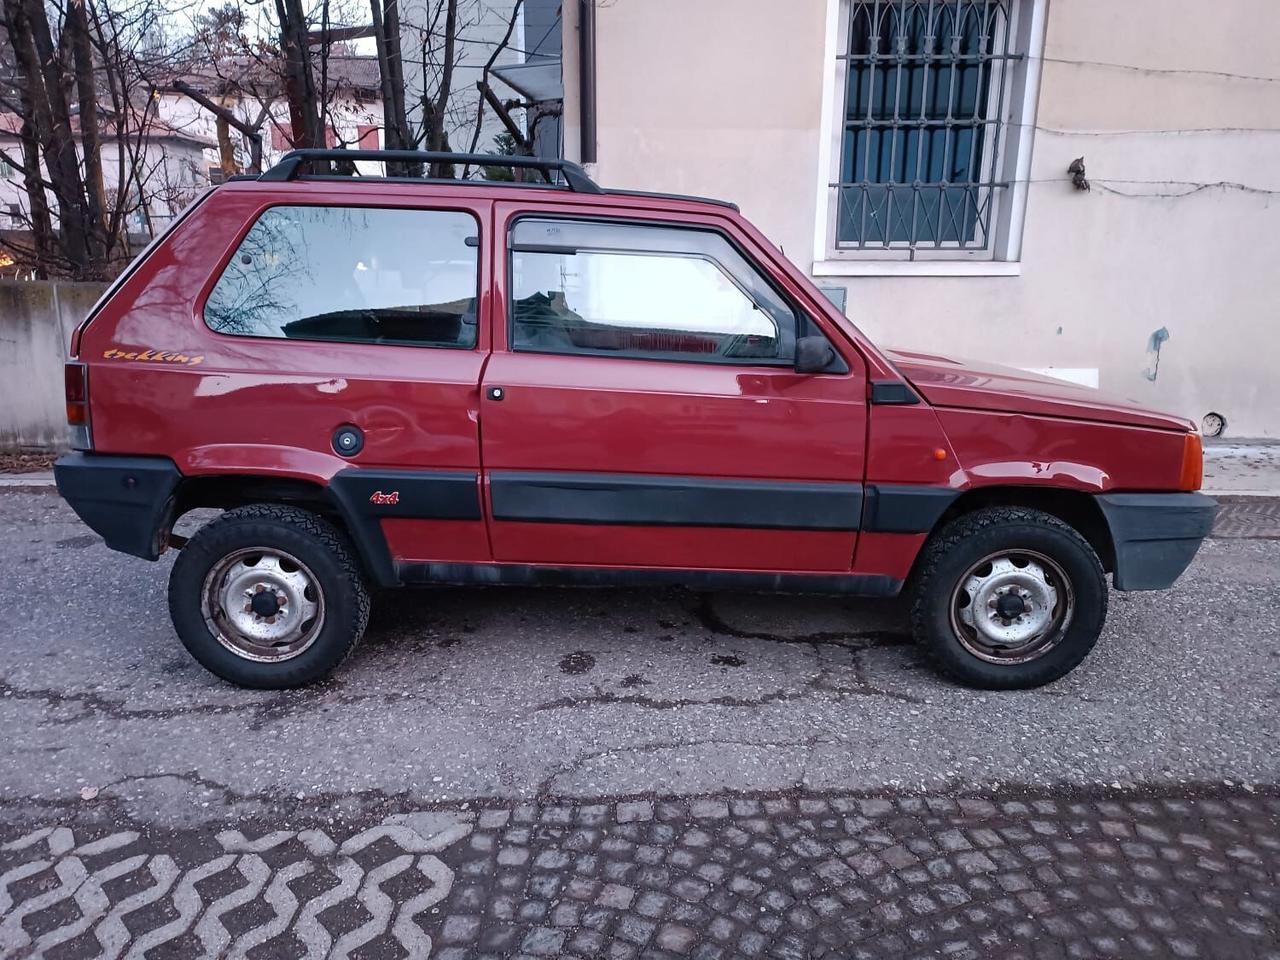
813 354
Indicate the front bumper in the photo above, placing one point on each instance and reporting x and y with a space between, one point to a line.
1156 535
125 500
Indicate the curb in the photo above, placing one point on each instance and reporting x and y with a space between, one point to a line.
27 482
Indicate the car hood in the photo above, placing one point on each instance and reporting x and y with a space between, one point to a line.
951 382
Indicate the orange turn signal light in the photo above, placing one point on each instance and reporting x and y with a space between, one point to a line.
1192 475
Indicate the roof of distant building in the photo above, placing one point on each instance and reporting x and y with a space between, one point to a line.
355 73
156 129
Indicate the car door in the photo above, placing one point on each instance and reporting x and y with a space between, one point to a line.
345 340
641 406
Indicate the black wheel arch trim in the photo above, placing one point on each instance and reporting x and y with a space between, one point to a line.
1155 535
128 501
365 497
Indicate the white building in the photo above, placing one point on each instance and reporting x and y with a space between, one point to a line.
913 155
172 165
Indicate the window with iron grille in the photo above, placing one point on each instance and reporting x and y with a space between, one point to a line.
926 97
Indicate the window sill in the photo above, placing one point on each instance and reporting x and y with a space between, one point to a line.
917 268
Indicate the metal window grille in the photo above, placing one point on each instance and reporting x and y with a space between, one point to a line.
925 88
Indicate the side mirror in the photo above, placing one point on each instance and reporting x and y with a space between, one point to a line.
813 354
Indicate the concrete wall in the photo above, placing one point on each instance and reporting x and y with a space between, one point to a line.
36 320
725 98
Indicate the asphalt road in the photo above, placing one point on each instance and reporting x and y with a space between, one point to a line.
468 693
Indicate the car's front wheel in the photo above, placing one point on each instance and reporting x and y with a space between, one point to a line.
268 596
1008 598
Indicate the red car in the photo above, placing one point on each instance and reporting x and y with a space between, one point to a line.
389 381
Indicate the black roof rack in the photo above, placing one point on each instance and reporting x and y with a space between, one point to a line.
575 177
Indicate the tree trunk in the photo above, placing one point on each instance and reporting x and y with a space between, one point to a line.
395 123
226 150
77 31
41 223
299 82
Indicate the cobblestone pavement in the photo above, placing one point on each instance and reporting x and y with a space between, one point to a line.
1253 517
796 875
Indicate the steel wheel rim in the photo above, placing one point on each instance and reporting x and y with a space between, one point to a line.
980 621
237 598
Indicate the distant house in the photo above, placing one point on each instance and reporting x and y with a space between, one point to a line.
178 150
162 172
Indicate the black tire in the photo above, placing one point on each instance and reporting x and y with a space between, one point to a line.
949 558
328 557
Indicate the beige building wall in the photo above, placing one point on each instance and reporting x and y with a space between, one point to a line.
726 98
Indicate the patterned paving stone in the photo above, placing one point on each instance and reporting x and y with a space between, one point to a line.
1251 518
805 877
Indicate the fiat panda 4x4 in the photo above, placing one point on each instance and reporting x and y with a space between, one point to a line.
386 381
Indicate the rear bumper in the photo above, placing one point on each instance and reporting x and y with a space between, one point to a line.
125 500
1156 535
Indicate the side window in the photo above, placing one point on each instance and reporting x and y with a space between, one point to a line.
625 290
352 274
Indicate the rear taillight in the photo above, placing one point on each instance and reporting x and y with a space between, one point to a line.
1192 463
76 378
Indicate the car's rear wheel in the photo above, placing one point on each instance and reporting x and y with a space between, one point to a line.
268 596
1008 598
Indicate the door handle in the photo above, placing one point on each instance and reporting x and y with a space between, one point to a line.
495 393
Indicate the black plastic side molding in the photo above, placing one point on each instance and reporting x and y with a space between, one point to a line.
529 575
902 508
645 500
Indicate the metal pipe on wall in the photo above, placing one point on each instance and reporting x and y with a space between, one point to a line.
587 78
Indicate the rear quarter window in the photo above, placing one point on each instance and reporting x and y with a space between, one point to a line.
352 274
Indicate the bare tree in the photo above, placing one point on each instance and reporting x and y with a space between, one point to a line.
438 51
80 83
41 75
86 78
485 73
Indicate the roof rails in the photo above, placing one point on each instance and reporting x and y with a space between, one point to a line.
575 177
